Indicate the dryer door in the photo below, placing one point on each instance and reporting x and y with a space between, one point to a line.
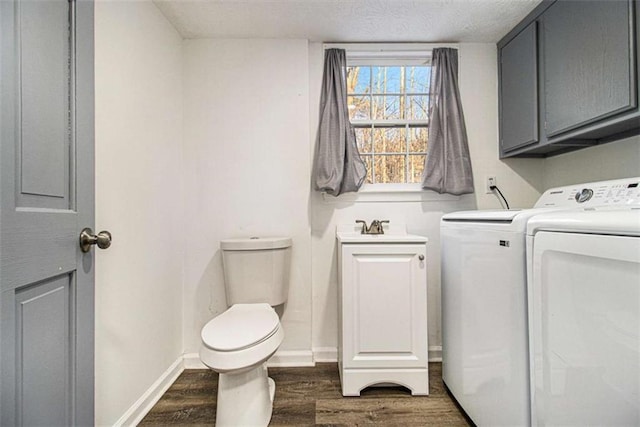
584 328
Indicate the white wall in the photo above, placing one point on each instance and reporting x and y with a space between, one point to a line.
620 159
139 198
247 166
520 181
251 109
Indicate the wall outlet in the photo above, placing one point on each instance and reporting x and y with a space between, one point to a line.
490 182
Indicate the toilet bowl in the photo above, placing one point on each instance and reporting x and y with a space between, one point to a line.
236 344
243 336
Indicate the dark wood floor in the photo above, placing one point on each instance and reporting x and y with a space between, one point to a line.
311 397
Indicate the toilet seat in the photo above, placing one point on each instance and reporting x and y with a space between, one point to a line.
239 338
240 327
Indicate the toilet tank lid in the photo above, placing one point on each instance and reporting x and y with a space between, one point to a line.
255 243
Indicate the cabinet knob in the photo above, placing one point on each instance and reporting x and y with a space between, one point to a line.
421 257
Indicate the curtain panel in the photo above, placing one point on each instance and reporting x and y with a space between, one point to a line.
337 167
448 164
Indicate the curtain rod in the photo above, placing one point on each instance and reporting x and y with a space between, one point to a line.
388 47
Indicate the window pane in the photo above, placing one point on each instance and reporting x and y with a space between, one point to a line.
418 139
393 93
416 166
359 107
389 140
387 79
386 107
358 80
417 79
363 139
417 107
390 169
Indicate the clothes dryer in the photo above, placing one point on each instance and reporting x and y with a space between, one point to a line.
584 314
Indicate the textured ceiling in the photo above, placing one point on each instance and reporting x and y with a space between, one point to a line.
348 20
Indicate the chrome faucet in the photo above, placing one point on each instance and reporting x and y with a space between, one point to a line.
375 227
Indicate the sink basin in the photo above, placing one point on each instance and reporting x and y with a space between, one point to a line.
394 233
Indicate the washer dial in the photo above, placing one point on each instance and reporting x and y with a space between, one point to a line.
584 195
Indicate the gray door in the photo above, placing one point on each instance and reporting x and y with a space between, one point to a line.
46 198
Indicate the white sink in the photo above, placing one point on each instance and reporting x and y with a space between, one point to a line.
393 233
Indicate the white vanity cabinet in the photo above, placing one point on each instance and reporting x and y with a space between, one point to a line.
383 312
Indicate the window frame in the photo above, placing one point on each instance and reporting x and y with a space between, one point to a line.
388 54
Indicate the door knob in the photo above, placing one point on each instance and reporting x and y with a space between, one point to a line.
87 238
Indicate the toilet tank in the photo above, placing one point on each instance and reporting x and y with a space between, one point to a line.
256 269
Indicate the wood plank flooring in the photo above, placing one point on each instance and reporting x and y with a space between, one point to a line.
311 397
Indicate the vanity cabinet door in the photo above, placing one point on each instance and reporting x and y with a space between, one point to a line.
519 91
384 306
589 63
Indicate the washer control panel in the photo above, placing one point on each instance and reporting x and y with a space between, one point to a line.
604 193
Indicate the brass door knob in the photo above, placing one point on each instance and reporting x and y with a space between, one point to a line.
87 238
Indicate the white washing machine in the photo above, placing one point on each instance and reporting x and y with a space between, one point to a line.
584 315
484 304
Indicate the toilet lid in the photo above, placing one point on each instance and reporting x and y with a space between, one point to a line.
241 326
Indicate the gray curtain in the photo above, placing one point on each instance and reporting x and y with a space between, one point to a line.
338 167
448 165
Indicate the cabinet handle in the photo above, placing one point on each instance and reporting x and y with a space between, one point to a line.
421 257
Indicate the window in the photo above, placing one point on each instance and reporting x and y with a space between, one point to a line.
388 106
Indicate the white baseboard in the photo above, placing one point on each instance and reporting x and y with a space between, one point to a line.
330 354
325 354
192 361
286 358
435 353
302 358
143 405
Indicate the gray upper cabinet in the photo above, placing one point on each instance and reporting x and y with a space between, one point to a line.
568 77
519 90
588 70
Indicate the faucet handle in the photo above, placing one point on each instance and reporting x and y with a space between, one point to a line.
380 222
364 226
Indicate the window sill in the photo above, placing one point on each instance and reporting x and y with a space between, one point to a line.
371 193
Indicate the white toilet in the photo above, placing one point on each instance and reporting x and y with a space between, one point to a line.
238 342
